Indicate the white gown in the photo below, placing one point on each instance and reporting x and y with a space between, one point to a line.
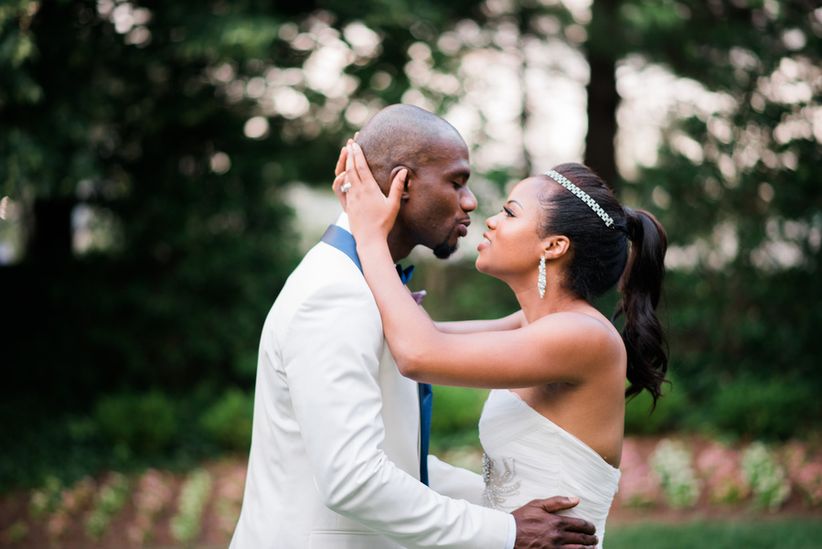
527 456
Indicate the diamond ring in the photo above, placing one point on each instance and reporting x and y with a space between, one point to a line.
345 187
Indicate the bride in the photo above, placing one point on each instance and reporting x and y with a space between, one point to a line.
553 423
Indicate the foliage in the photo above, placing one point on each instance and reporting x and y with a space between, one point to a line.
68 447
720 468
152 495
800 533
228 421
45 500
72 500
457 410
185 525
138 116
768 409
672 463
214 493
735 186
143 423
110 499
767 478
456 291
228 493
642 418
809 479
638 485
15 533
129 126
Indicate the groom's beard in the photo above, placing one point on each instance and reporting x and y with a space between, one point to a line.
444 250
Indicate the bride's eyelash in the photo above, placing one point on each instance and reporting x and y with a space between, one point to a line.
507 211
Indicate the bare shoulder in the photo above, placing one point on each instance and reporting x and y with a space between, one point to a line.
591 334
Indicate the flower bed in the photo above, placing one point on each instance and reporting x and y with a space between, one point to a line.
667 479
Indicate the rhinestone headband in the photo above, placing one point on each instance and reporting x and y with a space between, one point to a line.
585 197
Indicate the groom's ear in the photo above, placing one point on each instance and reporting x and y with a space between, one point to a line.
410 173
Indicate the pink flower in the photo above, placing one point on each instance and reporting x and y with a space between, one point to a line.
57 525
720 468
809 479
638 486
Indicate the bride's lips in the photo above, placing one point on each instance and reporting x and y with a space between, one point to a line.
484 243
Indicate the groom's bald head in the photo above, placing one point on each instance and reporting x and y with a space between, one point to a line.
407 136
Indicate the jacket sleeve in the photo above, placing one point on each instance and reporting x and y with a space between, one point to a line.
331 358
455 482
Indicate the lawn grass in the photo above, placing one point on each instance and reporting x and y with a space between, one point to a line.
793 533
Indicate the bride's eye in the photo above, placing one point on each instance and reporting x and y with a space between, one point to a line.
508 212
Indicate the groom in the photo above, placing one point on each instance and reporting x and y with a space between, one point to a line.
336 459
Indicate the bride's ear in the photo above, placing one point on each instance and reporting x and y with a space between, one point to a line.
410 173
556 246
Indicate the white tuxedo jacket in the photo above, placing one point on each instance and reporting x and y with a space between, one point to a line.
334 459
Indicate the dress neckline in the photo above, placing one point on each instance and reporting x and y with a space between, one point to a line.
574 439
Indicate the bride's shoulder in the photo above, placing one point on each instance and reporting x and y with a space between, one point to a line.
589 329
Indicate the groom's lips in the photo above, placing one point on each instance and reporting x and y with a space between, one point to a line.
462 227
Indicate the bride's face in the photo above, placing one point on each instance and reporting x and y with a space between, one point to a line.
511 245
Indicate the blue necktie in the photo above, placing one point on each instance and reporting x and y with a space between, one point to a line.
341 239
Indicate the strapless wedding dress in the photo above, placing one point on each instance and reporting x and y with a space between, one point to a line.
527 456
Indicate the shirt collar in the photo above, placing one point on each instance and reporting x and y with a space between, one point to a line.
343 222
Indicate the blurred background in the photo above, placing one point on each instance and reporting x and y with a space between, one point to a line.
163 166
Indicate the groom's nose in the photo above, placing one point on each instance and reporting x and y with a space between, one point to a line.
468 202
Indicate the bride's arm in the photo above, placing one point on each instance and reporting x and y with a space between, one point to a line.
510 322
546 351
549 350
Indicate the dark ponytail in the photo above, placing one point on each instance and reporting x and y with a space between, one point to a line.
601 256
640 287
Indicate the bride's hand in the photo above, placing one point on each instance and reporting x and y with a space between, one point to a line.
370 212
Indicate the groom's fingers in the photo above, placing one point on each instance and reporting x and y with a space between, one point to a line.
578 540
557 503
579 526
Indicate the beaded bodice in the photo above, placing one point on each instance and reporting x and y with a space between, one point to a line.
527 456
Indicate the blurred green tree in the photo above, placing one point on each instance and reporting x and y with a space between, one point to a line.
738 193
148 144
170 129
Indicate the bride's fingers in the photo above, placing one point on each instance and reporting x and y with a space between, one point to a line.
395 193
337 186
361 165
350 169
338 182
340 167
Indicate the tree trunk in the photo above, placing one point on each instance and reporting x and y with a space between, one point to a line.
603 99
50 234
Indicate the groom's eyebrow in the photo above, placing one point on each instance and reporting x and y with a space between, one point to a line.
459 174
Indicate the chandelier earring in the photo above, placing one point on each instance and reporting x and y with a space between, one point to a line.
541 280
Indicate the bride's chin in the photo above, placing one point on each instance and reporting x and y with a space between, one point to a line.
480 265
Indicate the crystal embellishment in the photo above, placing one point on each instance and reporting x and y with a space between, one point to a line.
582 195
499 485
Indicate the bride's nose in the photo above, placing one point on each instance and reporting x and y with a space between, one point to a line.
491 222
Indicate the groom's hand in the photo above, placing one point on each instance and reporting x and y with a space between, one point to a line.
539 527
